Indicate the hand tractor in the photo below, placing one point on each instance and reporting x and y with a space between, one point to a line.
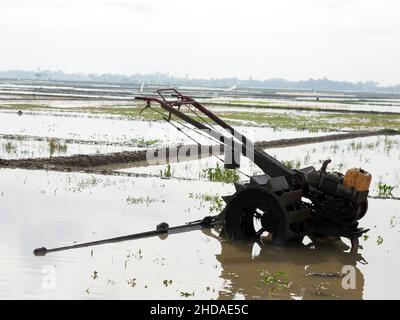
282 204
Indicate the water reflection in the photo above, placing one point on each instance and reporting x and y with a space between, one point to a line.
311 272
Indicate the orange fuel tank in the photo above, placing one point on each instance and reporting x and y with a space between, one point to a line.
358 179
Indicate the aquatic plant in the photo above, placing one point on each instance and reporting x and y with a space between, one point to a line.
140 200
139 255
9 147
167 283
220 174
356 146
55 145
307 158
291 164
389 144
216 201
278 280
167 172
385 190
95 275
142 142
279 277
132 282
186 294
370 145
85 184
392 221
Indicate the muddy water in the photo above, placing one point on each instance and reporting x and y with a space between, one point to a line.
51 209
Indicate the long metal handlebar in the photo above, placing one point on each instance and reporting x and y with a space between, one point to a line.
264 161
162 229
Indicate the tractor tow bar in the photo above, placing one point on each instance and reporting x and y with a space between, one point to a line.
162 229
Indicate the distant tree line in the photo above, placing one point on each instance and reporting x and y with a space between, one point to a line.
158 78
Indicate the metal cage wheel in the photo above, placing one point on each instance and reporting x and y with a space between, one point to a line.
253 211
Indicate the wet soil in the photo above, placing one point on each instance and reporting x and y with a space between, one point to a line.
333 137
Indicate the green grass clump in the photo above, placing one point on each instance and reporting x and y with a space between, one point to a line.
9 147
216 202
55 145
142 142
220 174
140 200
279 277
185 294
274 281
166 173
291 164
385 190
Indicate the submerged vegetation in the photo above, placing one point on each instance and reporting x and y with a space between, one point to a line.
385 190
220 174
140 200
56 145
185 294
279 277
291 164
84 184
142 142
318 121
290 119
166 173
216 202
9 147
273 281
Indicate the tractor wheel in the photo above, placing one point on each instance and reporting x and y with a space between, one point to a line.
253 211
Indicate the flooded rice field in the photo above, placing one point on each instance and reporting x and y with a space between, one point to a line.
121 131
75 95
328 104
55 208
61 208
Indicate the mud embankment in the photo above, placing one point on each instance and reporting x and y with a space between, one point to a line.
332 137
119 160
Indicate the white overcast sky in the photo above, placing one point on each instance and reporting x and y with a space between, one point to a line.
354 40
